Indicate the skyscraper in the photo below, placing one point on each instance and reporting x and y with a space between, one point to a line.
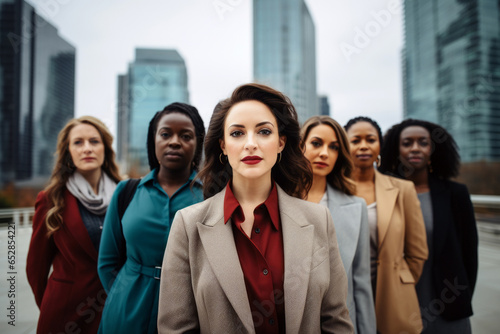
324 106
284 51
451 71
155 79
37 91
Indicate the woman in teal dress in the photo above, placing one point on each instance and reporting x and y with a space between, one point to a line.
131 251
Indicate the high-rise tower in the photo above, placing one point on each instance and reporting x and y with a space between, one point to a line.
451 71
284 51
155 79
37 91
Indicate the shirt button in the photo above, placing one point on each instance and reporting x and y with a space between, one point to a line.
271 321
265 272
257 230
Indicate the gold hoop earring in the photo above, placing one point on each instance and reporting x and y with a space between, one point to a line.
279 157
220 158
379 160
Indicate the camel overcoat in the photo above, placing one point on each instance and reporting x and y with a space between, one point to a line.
402 251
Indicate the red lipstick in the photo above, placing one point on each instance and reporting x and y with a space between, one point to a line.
321 164
251 159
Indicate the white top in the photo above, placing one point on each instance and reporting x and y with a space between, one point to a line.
372 223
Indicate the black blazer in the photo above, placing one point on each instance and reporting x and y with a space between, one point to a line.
455 244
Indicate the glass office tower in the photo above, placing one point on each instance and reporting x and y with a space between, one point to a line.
37 91
155 79
451 71
284 51
324 106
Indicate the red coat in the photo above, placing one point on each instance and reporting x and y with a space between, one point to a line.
71 299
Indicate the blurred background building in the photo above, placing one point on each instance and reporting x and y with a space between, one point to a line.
324 106
37 92
154 79
451 71
284 51
451 61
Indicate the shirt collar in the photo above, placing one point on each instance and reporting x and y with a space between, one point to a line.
149 177
271 203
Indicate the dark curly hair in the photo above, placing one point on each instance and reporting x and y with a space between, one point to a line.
199 128
355 120
339 177
444 155
292 173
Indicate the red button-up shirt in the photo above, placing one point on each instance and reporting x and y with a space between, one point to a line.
261 259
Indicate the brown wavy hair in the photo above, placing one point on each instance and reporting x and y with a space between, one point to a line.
340 176
292 173
64 167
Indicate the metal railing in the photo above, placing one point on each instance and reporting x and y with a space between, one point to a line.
24 216
485 201
20 216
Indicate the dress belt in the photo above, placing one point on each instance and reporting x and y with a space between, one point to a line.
153 271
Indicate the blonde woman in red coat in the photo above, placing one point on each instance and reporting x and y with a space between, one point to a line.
67 228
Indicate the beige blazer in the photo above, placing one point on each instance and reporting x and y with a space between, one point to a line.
202 286
402 251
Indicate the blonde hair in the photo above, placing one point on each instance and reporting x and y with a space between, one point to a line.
340 176
64 168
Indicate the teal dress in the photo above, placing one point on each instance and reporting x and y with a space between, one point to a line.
129 261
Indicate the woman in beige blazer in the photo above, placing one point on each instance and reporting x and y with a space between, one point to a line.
397 232
253 258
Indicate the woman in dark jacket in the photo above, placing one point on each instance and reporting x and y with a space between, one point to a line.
426 154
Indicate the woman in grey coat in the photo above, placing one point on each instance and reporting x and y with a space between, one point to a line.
325 145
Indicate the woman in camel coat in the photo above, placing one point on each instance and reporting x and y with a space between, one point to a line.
398 246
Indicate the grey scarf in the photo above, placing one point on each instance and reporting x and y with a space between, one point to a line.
81 189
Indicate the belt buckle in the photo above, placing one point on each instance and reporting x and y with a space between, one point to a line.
157 273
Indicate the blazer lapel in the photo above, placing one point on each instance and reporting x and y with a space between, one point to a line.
218 241
346 216
298 237
385 195
75 226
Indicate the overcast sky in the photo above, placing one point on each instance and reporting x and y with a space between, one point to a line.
358 48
